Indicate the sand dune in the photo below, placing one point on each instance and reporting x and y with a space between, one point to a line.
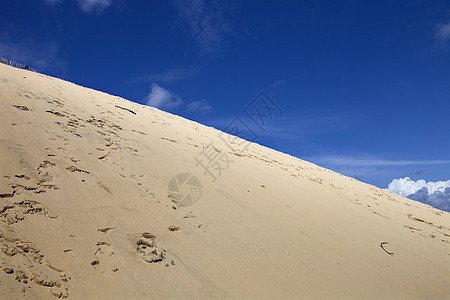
85 211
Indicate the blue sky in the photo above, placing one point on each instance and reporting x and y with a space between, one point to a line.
363 85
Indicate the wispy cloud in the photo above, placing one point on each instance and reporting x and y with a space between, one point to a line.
291 128
170 75
356 162
200 106
87 5
208 22
42 57
94 5
53 1
161 98
442 32
307 126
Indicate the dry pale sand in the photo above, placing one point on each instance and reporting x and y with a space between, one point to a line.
85 212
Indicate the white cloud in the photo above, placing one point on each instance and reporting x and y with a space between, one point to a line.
206 22
438 199
162 98
200 105
90 5
405 186
442 32
436 194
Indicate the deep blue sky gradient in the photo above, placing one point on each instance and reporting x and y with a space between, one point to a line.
364 85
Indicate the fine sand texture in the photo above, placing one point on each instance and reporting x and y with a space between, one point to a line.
85 211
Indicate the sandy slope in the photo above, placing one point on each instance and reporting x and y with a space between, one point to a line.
85 212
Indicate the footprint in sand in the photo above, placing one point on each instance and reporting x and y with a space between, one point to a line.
21 107
106 229
147 250
106 257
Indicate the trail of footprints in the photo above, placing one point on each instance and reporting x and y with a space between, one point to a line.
72 123
437 230
25 263
36 269
13 212
21 260
78 126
